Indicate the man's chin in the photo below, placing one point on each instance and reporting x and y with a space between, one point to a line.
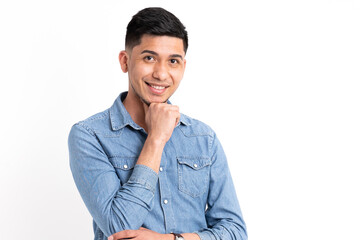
150 102
145 101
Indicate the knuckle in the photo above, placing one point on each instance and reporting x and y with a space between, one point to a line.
176 109
168 113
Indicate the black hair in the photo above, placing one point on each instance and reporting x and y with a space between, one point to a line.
154 21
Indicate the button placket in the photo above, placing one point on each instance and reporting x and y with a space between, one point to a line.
165 191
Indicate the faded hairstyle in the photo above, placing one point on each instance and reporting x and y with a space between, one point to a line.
154 21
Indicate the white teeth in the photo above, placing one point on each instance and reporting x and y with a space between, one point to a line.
157 87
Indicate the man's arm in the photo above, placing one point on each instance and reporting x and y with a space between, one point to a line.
223 215
115 206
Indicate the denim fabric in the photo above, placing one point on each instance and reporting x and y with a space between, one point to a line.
193 191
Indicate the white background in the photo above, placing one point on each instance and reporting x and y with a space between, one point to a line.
277 80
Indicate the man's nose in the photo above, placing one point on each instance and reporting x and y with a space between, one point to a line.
161 71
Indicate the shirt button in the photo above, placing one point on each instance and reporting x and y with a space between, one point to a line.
195 165
161 169
166 201
125 166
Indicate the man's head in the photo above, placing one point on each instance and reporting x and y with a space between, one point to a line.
157 22
154 56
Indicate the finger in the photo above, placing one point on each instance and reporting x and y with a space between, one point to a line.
125 234
175 108
177 119
111 238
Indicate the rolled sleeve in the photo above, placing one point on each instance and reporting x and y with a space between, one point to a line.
206 235
144 176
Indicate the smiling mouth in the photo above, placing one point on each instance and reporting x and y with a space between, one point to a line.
156 86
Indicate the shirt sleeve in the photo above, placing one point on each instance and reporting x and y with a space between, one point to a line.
114 206
223 215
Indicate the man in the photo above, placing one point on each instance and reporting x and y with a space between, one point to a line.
145 171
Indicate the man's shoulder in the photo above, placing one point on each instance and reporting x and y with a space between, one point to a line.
194 127
97 122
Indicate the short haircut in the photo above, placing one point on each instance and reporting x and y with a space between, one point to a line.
154 21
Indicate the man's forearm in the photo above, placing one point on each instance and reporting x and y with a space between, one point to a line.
151 153
160 119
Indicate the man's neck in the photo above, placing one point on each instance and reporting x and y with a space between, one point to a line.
135 108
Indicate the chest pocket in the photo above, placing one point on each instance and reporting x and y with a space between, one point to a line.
124 167
193 175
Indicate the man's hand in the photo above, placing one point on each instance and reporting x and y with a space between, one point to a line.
141 234
161 119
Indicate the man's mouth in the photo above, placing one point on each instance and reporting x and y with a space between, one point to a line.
157 87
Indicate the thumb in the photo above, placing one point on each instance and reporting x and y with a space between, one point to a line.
177 119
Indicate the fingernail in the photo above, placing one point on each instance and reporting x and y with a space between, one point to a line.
110 238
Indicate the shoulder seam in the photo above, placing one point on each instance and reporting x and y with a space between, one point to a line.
86 127
94 117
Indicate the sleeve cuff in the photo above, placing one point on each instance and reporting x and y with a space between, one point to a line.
206 235
145 176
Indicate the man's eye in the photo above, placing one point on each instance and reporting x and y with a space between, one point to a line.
173 61
149 58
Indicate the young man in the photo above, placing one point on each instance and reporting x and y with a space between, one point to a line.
145 171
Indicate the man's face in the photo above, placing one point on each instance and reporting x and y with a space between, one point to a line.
155 68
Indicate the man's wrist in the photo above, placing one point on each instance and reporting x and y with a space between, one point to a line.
155 141
151 154
168 237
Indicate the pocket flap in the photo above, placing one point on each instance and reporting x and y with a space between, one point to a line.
124 163
195 163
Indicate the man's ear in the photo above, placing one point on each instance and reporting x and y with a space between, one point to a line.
123 59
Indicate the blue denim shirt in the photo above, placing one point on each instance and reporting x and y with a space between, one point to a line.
193 191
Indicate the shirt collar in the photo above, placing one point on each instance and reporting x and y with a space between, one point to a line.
120 117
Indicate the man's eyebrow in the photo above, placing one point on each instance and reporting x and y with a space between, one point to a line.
151 52
156 54
176 56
